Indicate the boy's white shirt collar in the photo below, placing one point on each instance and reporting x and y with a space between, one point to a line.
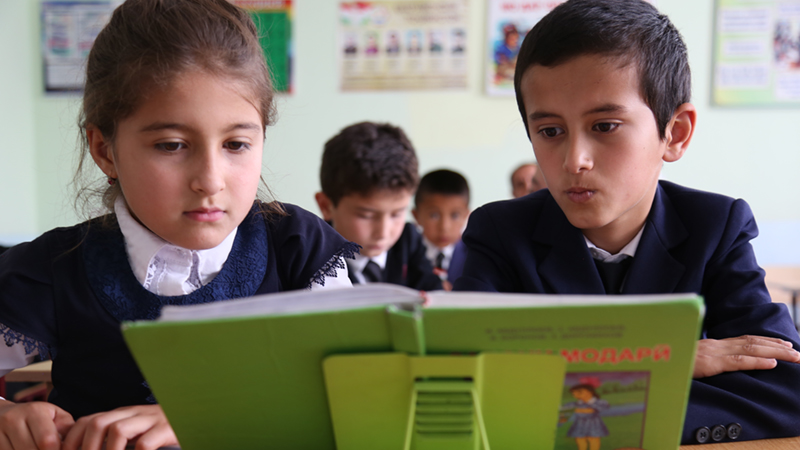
356 265
432 251
166 269
604 256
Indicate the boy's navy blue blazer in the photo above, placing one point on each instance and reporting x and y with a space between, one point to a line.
693 241
456 266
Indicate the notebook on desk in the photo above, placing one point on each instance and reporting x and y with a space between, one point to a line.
381 366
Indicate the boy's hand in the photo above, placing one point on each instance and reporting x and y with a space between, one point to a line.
715 356
34 425
146 424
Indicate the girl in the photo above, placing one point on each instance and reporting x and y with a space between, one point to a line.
176 103
588 427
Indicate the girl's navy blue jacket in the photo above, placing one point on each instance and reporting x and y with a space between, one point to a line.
66 293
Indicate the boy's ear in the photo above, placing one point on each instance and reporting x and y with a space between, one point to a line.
679 132
325 205
101 152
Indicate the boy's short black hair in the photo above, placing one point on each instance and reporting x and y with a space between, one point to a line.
368 157
631 30
444 182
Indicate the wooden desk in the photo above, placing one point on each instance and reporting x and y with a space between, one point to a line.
766 444
36 373
783 283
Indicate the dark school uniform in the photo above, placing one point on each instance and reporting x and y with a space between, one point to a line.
693 241
406 263
66 293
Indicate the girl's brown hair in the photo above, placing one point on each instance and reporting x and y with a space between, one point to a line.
145 46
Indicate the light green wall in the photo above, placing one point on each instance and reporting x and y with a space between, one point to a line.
18 178
748 153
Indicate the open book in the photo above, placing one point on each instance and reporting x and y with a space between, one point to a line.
381 366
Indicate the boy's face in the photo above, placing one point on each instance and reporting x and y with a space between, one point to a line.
373 221
442 218
597 144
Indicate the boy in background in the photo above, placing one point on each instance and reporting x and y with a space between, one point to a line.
603 87
525 179
441 208
368 175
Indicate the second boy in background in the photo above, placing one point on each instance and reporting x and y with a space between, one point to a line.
369 173
441 208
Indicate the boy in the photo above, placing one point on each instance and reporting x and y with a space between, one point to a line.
525 179
441 208
603 88
368 174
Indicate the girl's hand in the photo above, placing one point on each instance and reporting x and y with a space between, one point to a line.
34 425
145 424
715 356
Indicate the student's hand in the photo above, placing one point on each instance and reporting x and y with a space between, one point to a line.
34 425
145 424
715 356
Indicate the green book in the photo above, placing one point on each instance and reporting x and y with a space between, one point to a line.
381 366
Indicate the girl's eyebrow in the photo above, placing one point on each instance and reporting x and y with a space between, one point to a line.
158 126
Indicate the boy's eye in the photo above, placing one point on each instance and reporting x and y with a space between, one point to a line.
169 146
236 145
605 127
434 216
551 132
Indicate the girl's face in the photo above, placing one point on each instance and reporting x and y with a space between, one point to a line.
188 160
582 394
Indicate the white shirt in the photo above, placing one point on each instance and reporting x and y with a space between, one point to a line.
604 256
168 270
358 264
432 252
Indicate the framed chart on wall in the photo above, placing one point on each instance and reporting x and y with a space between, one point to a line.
756 53
403 45
68 33
273 18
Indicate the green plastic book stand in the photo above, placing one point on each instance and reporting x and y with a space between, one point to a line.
492 401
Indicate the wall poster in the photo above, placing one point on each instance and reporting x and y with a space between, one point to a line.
403 45
509 22
757 53
68 32
273 18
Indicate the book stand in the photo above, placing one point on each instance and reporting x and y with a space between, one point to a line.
487 401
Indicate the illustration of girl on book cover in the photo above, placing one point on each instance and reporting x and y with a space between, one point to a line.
597 402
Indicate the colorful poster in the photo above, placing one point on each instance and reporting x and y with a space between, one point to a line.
68 32
274 21
757 53
509 22
403 45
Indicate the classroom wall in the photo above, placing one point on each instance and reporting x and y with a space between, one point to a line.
749 153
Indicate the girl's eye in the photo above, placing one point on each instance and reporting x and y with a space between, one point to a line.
605 127
170 146
551 132
236 145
